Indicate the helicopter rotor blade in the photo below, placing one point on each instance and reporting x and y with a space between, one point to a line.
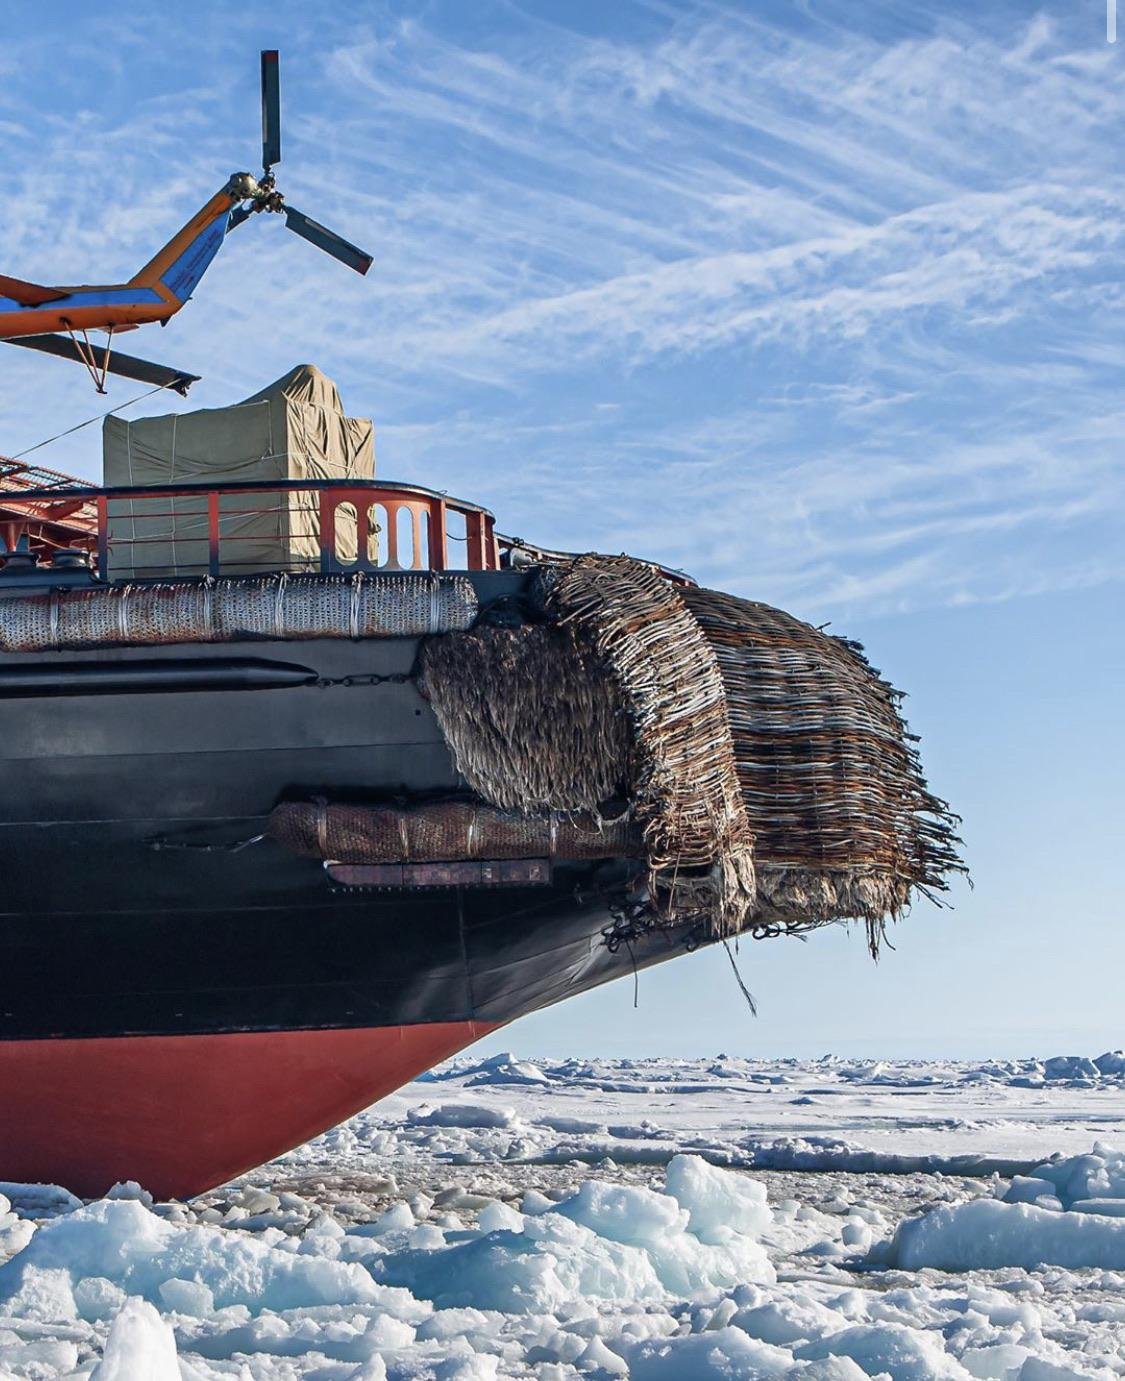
327 240
127 366
271 109
237 216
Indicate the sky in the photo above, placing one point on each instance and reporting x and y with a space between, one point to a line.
821 302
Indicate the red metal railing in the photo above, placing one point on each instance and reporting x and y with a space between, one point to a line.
47 527
267 525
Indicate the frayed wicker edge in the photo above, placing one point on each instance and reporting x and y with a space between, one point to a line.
809 713
685 782
792 901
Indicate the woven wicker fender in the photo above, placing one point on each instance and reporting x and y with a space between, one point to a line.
619 692
772 775
844 823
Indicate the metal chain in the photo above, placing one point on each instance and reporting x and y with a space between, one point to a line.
367 678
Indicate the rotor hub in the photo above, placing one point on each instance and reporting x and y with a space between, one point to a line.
261 194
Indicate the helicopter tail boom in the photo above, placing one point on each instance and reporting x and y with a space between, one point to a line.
27 294
178 266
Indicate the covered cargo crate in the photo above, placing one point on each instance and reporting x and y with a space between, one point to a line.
295 429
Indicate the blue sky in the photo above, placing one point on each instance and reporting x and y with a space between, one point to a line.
822 302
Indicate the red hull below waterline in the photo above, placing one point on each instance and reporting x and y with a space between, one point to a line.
181 1114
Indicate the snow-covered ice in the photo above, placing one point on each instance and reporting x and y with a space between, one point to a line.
661 1220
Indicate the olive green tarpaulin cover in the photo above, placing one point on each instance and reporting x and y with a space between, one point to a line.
294 429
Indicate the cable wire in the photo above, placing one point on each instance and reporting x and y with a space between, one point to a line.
101 415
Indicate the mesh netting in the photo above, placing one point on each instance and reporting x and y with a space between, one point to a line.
229 610
443 832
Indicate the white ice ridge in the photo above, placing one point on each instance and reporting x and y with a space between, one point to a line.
1066 1213
444 1236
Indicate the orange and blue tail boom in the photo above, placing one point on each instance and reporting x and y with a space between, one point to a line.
156 293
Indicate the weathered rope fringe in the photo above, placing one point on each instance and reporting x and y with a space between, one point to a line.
685 784
534 724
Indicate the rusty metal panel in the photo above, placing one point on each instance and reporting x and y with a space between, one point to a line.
509 872
524 872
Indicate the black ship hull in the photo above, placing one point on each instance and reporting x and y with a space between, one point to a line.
180 1003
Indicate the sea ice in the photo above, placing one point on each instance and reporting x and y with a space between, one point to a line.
505 1069
1070 1067
987 1235
892 1349
1070 1212
719 1205
392 1249
1099 1175
140 1347
727 1354
463 1115
127 1244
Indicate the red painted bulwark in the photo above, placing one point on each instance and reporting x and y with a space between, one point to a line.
180 1114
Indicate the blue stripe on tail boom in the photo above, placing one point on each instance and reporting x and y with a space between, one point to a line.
181 277
88 297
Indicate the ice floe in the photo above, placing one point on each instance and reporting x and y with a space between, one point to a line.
1068 1212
